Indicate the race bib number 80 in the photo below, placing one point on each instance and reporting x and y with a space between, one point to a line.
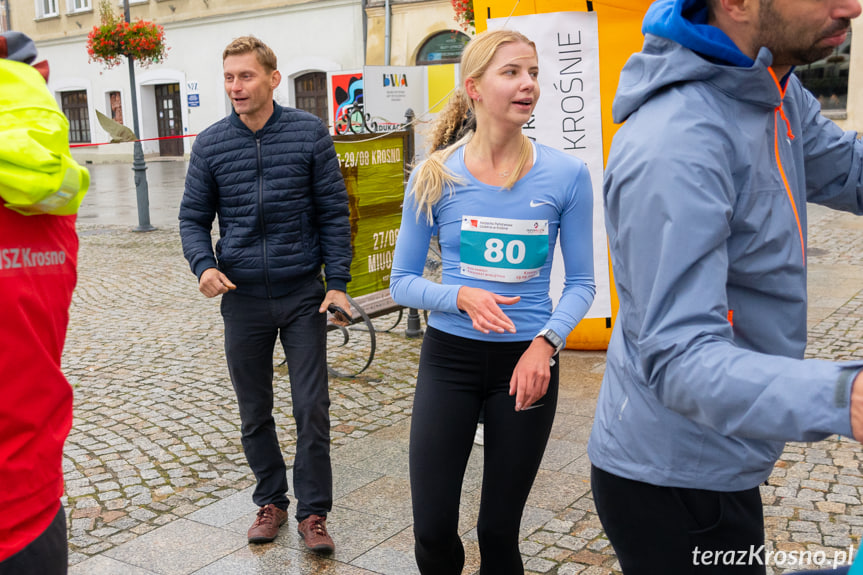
503 250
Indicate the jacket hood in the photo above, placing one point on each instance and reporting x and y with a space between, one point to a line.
680 47
685 22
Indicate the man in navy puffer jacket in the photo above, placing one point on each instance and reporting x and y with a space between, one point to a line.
272 177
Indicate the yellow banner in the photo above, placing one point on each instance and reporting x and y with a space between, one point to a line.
373 169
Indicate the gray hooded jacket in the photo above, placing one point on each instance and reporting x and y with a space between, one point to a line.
705 193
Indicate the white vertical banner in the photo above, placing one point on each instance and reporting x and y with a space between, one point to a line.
567 117
390 90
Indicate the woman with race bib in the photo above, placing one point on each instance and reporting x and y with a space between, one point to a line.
499 202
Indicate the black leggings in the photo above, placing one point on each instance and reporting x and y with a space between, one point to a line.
457 377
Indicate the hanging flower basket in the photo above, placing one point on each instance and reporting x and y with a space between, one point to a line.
110 41
464 14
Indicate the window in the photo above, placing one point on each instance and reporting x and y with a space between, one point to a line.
4 25
442 48
115 104
827 79
311 94
74 105
46 8
79 5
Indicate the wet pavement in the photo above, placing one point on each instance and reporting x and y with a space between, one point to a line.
112 198
157 482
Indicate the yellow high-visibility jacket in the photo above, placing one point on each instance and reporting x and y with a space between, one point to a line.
37 172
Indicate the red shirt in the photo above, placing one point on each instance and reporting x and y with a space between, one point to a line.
38 260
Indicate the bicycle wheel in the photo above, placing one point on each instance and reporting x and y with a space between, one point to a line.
350 348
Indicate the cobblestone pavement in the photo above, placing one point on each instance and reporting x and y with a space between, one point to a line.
154 457
156 431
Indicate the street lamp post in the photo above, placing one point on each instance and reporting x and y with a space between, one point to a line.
413 329
138 164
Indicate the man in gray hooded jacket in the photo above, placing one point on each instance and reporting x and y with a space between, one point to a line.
705 192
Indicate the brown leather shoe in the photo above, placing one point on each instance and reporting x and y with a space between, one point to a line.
267 523
314 532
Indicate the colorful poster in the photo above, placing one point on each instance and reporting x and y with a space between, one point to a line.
346 95
373 169
568 117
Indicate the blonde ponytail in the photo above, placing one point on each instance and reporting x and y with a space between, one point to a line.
432 176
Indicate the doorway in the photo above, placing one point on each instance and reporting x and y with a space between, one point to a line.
311 94
169 119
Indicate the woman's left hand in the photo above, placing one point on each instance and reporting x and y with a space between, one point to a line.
532 373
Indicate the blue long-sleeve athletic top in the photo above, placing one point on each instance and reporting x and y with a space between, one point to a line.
502 241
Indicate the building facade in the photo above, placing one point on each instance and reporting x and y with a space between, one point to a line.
417 29
184 94
837 81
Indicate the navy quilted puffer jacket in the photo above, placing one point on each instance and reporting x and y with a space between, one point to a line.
280 199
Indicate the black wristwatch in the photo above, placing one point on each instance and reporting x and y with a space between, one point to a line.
553 339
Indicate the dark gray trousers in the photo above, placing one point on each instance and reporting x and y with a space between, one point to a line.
656 529
251 327
46 555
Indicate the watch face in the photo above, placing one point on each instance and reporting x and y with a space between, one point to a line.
553 338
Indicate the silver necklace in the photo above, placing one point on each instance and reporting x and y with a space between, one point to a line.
504 173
